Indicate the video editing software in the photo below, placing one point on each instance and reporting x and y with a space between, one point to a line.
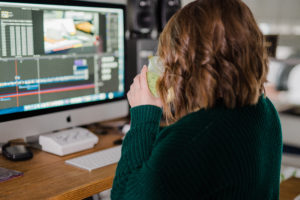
59 55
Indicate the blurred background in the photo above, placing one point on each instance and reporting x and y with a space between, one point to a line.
280 23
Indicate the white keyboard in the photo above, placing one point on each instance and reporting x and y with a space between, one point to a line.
98 159
68 141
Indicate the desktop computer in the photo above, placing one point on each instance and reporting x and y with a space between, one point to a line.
62 64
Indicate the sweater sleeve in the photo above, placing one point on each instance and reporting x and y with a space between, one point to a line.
137 146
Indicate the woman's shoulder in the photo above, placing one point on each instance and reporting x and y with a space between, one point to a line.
222 120
204 130
189 126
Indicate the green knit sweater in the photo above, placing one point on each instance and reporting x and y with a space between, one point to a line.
217 153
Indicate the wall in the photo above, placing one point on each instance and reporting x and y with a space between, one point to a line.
276 11
278 17
284 14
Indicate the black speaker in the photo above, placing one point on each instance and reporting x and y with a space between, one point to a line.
138 51
141 17
165 10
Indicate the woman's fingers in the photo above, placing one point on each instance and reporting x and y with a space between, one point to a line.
143 77
136 82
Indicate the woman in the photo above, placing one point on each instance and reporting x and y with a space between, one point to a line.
225 139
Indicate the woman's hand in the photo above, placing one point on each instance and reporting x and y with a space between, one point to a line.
139 93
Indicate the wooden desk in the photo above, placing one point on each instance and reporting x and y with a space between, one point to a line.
46 176
289 189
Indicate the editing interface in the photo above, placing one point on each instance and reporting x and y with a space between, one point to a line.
54 56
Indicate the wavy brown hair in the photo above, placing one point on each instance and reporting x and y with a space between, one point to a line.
212 50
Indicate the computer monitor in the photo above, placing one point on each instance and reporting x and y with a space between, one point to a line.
62 64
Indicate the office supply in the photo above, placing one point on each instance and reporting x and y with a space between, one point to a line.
16 152
62 65
68 141
6 174
97 159
125 128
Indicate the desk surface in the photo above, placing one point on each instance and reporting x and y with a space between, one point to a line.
289 189
46 176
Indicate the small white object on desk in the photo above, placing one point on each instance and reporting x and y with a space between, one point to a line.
68 141
97 159
125 128
297 197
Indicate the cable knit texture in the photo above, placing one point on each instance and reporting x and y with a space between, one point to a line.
216 153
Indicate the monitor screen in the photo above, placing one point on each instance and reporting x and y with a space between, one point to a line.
59 55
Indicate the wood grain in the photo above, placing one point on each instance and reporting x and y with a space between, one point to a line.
289 189
46 176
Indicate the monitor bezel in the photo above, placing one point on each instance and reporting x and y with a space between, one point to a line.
85 3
